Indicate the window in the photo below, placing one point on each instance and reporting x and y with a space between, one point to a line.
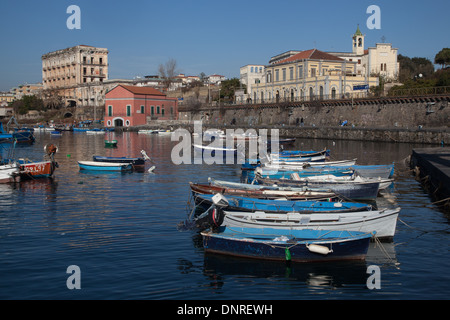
300 72
277 75
110 111
142 109
313 72
333 93
128 110
152 110
162 110
157 109
269 77
284 74
291 73
251 70
359 42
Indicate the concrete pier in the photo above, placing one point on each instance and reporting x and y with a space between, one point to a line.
432 168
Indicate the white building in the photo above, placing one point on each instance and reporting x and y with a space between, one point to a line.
380 60
216 79
250 75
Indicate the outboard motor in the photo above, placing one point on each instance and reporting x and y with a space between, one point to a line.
211 219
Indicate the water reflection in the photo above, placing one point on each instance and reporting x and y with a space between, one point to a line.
217 268
333 275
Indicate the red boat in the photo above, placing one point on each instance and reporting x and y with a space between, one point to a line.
39 169
34 170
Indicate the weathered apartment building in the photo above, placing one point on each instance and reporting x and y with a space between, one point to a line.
77 74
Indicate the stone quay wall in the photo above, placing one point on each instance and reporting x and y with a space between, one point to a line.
401 119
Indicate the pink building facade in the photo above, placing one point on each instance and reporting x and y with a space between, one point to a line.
127 106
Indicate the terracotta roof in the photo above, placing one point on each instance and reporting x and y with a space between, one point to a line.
143 90
313 54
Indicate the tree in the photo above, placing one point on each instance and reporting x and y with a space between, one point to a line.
202 77
443 57
412 68
28 103
228 89
52 98
167 72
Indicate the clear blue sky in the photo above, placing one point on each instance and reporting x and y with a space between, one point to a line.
208 36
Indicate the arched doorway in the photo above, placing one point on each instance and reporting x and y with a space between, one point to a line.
118 122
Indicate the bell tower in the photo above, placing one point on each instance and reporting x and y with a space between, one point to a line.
358 42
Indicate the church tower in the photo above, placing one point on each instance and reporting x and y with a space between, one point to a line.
358 42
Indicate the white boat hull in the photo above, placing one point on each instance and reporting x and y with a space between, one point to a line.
384 222
9 173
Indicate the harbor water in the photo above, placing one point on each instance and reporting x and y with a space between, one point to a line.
122 231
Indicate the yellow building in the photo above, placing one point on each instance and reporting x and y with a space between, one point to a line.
308 75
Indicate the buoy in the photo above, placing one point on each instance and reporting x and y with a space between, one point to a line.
319 249
287 253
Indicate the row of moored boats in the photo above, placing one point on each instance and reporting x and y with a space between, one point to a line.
295 206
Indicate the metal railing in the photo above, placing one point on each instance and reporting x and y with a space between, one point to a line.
425 91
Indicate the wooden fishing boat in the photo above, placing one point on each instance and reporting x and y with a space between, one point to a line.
383 222
122 160
18 134
307 172
104 166
136 162
23 136
301 153
9 172
252 164
56 132
364 190
246 204
288 245
263 192
283 165
343 185
110 144
36 169
95 131
214 151
312 158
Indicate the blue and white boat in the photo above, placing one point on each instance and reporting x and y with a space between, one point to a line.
235 203
288 245
383 221
104 166
308 172
135 162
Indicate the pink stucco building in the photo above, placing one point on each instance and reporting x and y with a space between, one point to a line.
132 106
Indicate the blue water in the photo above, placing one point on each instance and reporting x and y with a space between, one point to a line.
121 231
